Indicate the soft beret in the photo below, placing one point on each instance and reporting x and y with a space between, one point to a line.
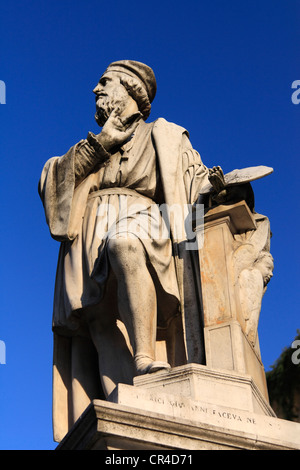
138 70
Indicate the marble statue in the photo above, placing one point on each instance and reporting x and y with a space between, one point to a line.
127 303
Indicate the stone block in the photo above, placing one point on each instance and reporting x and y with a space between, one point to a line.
213 386
227 347
186 408
193 426
227 342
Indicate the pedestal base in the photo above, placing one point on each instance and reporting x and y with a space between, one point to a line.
227 347
187 408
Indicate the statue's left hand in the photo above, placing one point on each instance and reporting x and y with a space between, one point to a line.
117 129
217 180
224 194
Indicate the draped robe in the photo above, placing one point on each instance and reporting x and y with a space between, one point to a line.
66 189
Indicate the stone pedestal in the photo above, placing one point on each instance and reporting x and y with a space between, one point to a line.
221 405
226 345
186 408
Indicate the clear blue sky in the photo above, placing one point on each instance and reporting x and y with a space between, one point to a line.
224 71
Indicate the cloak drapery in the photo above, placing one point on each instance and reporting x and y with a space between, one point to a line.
182 176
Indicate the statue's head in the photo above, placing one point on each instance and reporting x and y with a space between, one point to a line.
123 82
265 264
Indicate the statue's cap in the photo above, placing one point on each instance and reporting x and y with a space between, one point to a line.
138 70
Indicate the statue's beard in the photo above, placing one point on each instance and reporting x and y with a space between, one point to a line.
105 105
104 108
101 117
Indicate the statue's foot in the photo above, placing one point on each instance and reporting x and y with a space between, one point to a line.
158 365
146 365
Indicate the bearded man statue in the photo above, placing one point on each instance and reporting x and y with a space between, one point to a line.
126 302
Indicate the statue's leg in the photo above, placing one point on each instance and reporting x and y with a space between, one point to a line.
111 341
85 386
136 300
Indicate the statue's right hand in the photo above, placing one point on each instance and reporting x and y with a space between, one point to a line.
117 129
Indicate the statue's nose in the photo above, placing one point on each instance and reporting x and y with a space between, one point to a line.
97 88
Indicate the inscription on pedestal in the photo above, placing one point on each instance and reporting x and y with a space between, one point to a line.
173 406
190 406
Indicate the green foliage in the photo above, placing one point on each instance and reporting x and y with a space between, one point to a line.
283 381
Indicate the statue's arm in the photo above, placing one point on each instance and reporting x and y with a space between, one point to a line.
59 179
195 173
96 148
89 153
78 162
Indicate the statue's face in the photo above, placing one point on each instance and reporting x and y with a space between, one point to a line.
110 93
267 267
